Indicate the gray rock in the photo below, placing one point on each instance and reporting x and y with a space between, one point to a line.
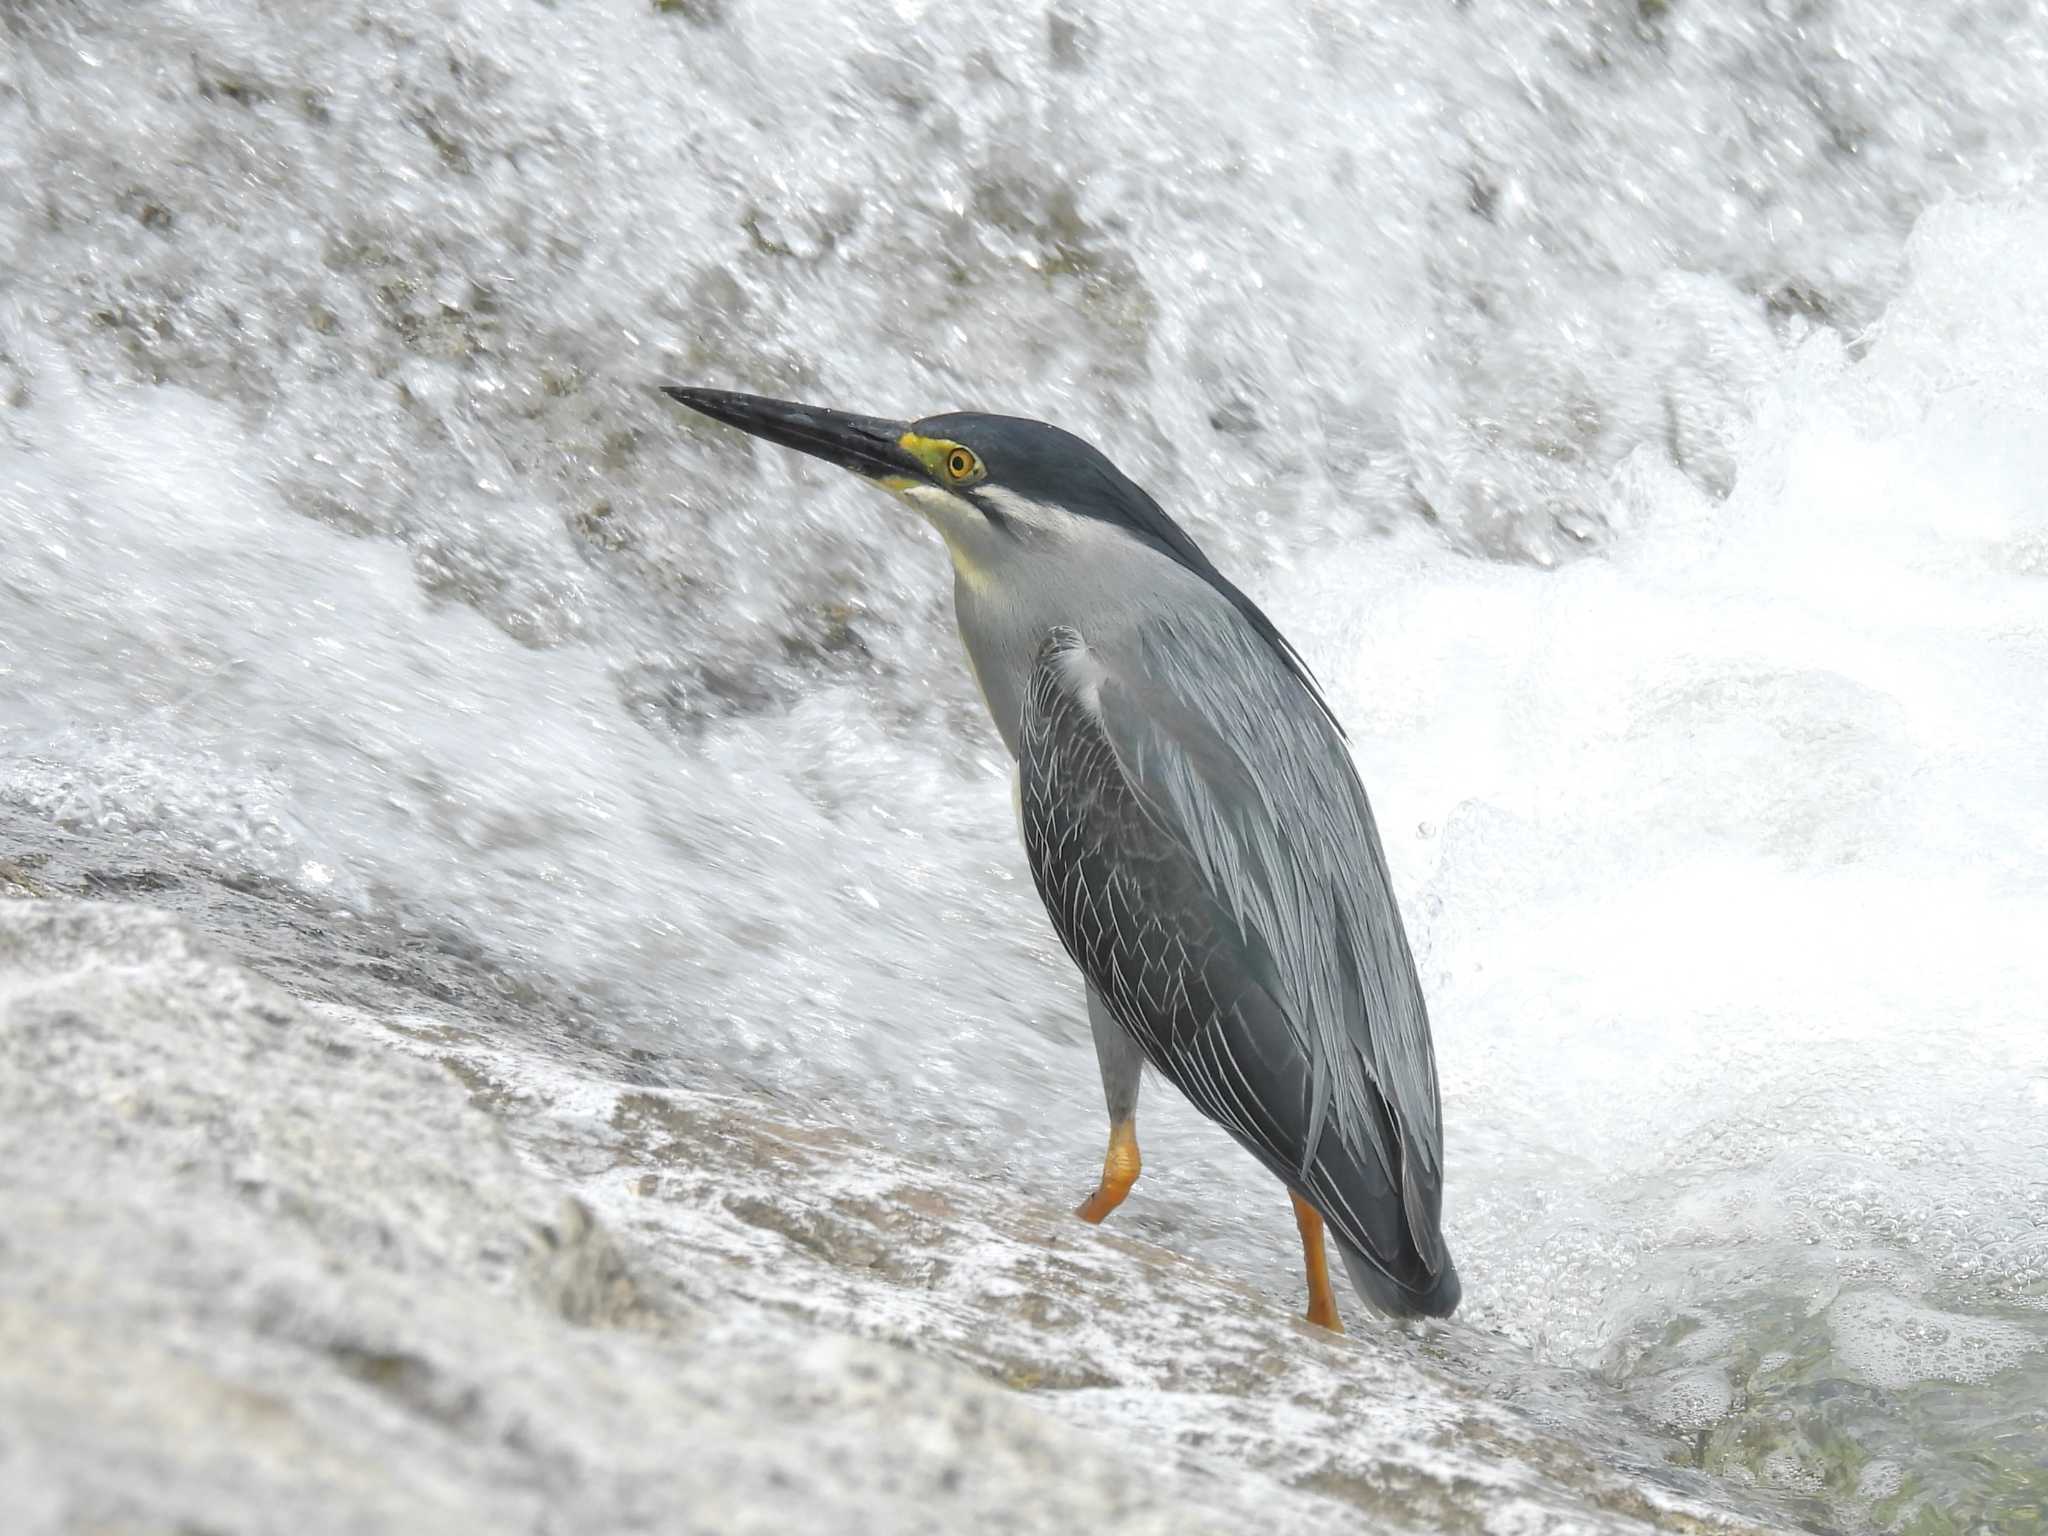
270 1265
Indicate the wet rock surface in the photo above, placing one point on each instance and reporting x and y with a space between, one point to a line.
363 606
274 1263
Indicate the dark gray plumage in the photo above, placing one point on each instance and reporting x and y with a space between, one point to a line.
1187 844
1194 825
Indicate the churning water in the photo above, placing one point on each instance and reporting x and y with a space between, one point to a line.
1637 412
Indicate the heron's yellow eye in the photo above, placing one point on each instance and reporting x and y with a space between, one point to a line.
961 465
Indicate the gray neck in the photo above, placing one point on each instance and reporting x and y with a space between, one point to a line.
1000 646
1104 585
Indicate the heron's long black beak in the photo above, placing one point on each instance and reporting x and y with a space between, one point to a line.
867 445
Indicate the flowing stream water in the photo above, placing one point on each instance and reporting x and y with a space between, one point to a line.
1637 413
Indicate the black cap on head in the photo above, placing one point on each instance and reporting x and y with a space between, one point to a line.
1047 464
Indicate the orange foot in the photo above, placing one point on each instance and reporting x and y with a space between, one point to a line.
1120 1167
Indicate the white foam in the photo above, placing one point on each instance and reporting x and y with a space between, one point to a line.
324 353
1892 1343
1732 917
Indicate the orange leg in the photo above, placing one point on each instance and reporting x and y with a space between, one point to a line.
1120 1167
1322 1306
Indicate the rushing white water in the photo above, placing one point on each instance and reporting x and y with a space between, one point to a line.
343 544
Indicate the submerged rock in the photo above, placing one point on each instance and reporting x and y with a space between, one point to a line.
276 1265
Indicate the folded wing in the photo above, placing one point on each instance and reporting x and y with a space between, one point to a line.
1208 858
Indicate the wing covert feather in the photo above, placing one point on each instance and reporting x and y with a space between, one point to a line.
1208 857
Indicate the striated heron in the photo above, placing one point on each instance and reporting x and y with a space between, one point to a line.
1193 823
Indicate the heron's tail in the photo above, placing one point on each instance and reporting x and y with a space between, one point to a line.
1438 1298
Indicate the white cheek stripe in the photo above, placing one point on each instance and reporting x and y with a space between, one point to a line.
970 539
928 499
1035 514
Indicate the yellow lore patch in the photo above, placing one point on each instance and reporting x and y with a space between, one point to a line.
950 463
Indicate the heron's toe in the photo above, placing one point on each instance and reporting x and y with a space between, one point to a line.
1120 1168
